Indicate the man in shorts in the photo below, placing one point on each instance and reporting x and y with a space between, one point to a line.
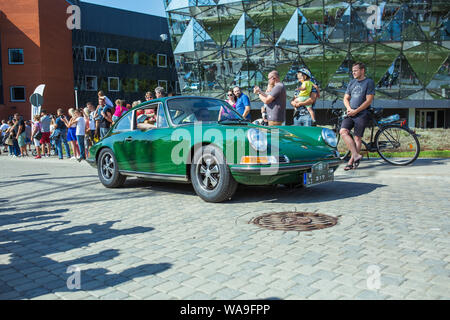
358 97
45 139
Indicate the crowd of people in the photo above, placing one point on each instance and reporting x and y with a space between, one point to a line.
357 99
83 127
77 131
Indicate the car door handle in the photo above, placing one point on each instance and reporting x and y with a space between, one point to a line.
129 139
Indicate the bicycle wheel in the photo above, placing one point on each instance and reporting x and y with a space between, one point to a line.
397 145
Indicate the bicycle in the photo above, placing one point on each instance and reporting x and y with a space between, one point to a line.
394 141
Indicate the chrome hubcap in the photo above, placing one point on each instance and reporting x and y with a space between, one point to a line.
208 173
107 166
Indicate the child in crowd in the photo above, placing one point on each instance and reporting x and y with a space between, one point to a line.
120 109
305 90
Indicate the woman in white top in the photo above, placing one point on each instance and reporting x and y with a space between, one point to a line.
80 131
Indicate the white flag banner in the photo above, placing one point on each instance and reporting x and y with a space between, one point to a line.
36 109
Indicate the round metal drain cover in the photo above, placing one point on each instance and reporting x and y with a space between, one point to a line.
294 221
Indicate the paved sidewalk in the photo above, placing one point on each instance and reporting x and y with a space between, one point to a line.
160 241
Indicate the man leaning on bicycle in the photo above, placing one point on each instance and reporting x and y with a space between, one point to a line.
358 97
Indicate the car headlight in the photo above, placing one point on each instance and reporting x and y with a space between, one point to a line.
257 139
329 137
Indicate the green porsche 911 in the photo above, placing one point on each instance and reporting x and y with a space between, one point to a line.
204 141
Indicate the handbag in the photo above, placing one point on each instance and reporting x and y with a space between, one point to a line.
9 141
37 135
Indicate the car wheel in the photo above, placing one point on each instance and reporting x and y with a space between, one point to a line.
210 175
108 172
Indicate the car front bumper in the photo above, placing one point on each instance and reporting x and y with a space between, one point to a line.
276 174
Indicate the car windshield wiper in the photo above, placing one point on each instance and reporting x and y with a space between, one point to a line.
233 121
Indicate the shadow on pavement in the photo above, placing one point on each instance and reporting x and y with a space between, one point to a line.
380 164
34 175
31 271
10 183
331 191
180 188
337 190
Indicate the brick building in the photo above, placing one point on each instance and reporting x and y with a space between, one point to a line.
36 48
117 51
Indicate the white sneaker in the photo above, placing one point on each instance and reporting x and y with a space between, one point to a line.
73 158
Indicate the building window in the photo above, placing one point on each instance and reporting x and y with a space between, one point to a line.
163 83
162 60
90 53
113 84
15 56
17 94
91 83
112 55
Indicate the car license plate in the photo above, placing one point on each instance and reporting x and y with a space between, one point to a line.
320 173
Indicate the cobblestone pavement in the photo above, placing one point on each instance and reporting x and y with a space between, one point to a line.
160 241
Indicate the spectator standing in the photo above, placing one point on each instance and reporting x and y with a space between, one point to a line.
3 129
231 98
275 100
265 121
80 124
36 130
149 96
28 135
21 136
45 139
242 103
120 109
91 121
105 122
98 115
160 92
71 134
60 134
358 97
87 137
11 141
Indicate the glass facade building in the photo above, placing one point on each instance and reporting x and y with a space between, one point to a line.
405 45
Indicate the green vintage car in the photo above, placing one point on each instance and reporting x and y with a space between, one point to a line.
204 141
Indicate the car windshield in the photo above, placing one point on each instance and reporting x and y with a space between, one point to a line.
188 110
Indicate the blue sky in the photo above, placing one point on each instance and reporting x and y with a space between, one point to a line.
154 7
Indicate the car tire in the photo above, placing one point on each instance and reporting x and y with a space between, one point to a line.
211 176
108 171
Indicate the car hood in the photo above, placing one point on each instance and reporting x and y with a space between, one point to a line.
295 142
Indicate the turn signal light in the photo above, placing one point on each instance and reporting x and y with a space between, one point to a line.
258 160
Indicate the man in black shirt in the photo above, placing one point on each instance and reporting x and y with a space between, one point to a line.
105 122
20 135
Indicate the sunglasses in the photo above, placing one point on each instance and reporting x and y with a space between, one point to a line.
229 94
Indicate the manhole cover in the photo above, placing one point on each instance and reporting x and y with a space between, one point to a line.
294 221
